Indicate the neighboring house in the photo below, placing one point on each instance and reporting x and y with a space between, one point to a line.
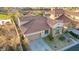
40 26
60 24
56 12
75 17
60 21
3 21
35 26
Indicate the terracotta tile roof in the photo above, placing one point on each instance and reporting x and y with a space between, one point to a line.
57 11
35 24
64 18
51 22
62 11
26 18
72 13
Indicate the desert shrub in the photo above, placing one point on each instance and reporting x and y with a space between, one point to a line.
22 37
65 32
37 13
50 37
61 38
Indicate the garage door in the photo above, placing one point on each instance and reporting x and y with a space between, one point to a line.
35 36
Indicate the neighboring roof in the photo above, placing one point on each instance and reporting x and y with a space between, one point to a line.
76 13
26 18
57 11
64 18
62 11
34 24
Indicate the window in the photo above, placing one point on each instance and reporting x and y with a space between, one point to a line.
57 32
46 31
2 22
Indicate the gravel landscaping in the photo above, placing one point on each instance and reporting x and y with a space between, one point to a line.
57 44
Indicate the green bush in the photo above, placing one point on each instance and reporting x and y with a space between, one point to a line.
37 13
6 16
50 37
22 37
65 32
61 38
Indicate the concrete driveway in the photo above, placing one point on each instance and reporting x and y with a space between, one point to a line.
39 45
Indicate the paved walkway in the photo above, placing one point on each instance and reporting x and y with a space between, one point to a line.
72 46
65 48
39 45
67 36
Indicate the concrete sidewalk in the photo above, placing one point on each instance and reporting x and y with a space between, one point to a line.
39 45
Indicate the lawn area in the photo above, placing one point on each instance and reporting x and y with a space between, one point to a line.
6 16
37 13
58 42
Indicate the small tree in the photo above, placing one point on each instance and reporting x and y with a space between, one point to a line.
50 37
61 38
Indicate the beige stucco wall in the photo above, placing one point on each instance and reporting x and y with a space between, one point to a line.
35 36
52 16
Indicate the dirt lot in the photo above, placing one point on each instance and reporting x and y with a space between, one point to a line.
8 36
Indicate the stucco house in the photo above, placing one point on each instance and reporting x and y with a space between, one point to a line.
35 26
73 14
60 21
75 17
40 26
